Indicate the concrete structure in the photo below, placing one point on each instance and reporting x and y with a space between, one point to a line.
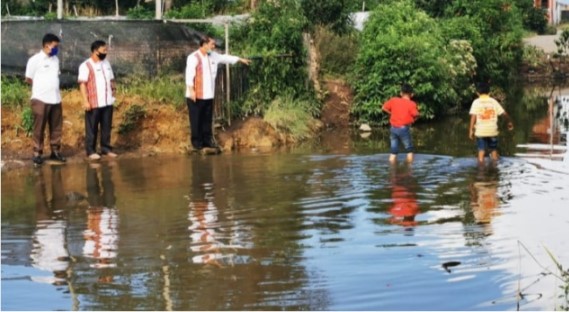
553 9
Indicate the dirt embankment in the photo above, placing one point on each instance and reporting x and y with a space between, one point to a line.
164 129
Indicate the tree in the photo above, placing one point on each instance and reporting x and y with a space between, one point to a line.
402 44
332 13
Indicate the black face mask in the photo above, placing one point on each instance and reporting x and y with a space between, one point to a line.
102 56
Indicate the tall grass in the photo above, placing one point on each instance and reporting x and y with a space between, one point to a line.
15 92
162 89
291 116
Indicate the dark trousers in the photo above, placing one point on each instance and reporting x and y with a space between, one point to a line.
200 114
52 115
95 196
102 116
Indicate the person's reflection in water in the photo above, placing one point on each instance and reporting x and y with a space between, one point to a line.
403 196
101 236
484 197
203 216
49 250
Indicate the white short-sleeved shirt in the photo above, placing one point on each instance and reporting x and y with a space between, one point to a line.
209 70
49 246
43 70
486 110
103 76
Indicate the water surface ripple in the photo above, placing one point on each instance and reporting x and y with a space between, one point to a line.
283 231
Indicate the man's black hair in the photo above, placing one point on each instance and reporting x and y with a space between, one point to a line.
97 44
49 38
406 89
205 39
483 88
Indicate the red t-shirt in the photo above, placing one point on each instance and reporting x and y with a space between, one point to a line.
403 111
405 206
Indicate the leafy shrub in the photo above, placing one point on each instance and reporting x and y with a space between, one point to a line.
14 92
131 118
337 52
550 30
140 12
273 35
196 9
562 43
533 56
401 43
497 45
27 123
50 16
330 13
535 19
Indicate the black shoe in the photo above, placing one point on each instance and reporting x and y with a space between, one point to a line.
37 159
57 157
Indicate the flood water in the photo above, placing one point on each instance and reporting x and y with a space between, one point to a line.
329 226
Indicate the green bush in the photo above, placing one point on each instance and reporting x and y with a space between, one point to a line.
337 52
533 56
197 9
15 92
50 16
291 116
550 30
401 43
273 36
496 26
140 12
27 122
330 13
131 118
535 19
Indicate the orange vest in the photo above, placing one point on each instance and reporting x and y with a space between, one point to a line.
198 79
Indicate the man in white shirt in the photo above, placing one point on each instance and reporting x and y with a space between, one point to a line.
201 71
42 72
97 84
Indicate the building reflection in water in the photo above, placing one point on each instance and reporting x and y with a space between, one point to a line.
101 236
49 249
404 206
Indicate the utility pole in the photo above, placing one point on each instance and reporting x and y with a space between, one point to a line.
59 9
158 10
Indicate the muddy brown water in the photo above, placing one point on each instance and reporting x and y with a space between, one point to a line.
326 226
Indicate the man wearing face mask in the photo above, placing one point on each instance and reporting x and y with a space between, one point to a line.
42 72
201 71
97 84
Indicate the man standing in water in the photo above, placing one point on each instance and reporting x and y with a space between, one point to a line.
484 114
97 84
42 72
403 112
201 71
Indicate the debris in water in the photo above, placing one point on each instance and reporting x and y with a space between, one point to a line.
450 264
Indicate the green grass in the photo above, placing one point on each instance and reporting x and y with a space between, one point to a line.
27 123
162 89
15 92
291 116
